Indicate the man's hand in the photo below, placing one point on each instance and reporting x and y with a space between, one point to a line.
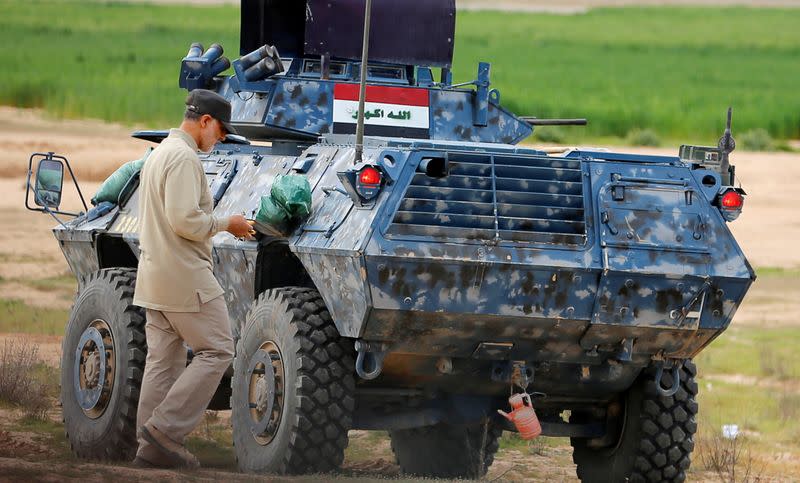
239 227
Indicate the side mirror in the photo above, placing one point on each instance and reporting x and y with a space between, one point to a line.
49 183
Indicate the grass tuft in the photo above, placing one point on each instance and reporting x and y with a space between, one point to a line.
731 459
550 134
757 140
643 137
776 364
19 384
788 406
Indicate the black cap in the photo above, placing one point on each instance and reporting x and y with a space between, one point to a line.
201 101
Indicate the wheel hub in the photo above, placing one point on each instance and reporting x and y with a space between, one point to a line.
91 370
93 378
265 392
262 395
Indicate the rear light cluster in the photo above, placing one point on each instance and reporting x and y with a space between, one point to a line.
731 203
732 200
363 183
368 182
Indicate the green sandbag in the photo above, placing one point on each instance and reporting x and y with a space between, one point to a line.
111 187
289 201
272 218
293 193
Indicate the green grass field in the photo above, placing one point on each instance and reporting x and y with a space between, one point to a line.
673 70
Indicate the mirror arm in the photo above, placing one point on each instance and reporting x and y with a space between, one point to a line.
28 185
74 181
45 208
50 212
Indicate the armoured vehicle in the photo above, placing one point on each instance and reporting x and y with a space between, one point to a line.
446 270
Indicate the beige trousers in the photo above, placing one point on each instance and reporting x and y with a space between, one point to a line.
174 396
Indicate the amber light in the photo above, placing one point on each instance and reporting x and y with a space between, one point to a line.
369 175
732 200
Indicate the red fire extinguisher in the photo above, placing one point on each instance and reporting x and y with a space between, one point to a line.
523 416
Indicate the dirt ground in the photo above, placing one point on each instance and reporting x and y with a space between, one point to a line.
767 231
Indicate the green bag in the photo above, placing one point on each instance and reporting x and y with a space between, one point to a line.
112 186
271 213
293 193
289 201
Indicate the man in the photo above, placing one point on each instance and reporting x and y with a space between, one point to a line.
176 285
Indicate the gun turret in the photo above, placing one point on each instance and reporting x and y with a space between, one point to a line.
314 89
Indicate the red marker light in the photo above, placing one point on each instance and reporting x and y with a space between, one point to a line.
732 200
369 175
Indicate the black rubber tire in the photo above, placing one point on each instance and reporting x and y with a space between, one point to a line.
107 295
658 436
319 385
446 451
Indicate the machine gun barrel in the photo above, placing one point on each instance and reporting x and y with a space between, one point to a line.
533 121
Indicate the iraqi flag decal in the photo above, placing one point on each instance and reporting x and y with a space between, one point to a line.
388 111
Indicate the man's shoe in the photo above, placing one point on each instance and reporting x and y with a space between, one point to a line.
178 453
148 456
140 462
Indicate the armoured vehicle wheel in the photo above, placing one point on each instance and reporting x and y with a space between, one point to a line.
656 439
293 384
102 362
446 451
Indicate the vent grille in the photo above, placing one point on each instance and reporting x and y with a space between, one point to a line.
532 199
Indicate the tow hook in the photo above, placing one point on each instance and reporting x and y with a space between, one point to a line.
675 365
373 353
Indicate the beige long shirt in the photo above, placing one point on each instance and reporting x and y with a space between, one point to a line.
175 210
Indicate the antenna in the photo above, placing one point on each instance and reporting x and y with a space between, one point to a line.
362 93
726 146
726 142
